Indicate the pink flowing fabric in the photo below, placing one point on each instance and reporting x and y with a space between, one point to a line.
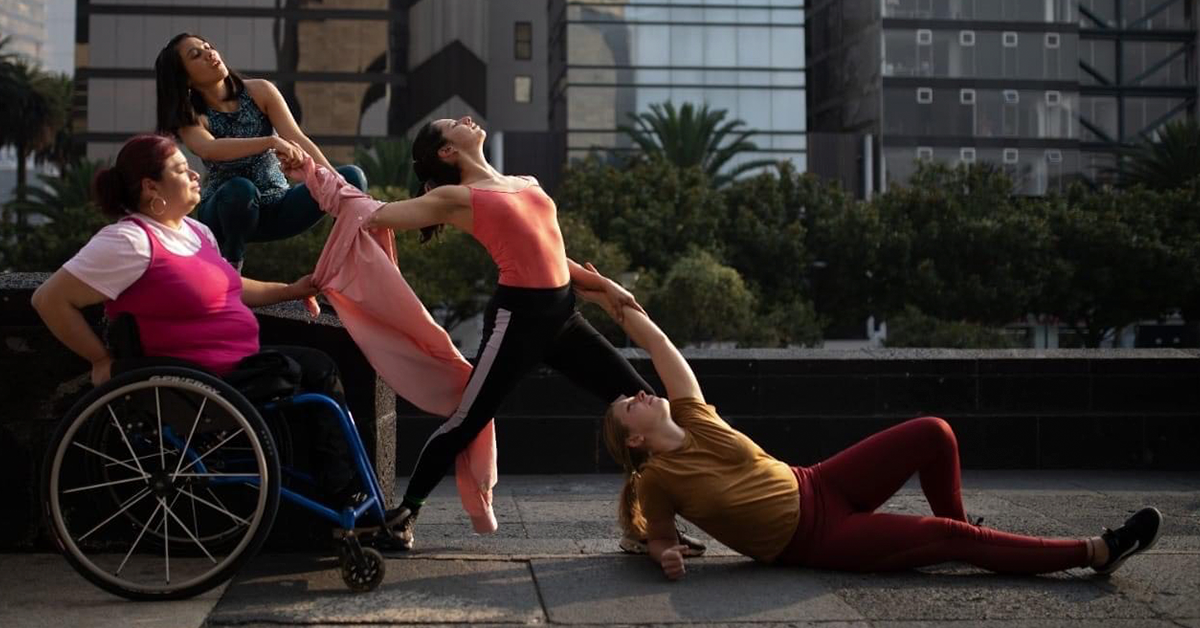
357 272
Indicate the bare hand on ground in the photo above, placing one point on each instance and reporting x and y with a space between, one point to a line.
672 562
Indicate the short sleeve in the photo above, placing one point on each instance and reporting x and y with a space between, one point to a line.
657 505
113 259
687 410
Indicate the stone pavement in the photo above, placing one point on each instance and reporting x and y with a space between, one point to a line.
554 561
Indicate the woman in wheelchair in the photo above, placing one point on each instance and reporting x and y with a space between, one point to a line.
172 300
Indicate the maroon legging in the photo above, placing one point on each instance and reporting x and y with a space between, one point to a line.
839 528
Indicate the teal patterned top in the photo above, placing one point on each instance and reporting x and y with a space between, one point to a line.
263 169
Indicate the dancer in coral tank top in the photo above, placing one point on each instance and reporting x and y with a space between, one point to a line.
531 318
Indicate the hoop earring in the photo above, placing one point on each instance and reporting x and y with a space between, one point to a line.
164 206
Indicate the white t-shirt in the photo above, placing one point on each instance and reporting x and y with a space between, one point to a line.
119 253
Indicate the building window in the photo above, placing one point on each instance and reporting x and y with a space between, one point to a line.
1052 40
1011 97
924 37
966 155
1010 39
523 89
1054 156
924 95
925 153
1011 155
1053 98
523 40
966 96
966 38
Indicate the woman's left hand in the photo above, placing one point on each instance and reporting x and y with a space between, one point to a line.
618 297
305 290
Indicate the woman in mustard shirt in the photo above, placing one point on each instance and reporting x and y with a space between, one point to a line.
681 458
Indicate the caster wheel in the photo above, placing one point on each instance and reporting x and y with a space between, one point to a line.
364 577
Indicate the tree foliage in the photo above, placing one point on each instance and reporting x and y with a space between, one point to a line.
694 136
1170 161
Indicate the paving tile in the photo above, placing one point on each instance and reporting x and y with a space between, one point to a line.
715 590
300 590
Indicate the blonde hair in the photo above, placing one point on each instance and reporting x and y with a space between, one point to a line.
629 508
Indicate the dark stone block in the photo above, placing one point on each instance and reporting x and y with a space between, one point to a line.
1171 442
1007 394
527 445
817 366
1111 442
1147 366
1161 393
1032 366
732 395
927 395
996 442
836 434
943 367
817 396
794 441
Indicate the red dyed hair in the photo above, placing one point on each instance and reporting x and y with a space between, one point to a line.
118 190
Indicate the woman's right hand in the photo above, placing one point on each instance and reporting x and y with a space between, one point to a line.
102 370
289 153
672 562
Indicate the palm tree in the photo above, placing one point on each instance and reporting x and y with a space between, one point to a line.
63 150
68 220
694 137
388 163
1168 163
31 110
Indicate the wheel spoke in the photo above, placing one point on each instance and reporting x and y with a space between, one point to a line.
116 462
220 509
162 455
104 484
188 442
129 503
117 424
138 540
195 540
205 455
136 469
166 535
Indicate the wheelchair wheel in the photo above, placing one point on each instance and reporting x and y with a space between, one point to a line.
366 575
161 484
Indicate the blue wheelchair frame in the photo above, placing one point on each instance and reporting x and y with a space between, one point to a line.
347 517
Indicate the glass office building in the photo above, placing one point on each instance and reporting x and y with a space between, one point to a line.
1033 86
609 59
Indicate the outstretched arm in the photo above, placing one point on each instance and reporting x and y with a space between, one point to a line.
672 369
282 119
448 204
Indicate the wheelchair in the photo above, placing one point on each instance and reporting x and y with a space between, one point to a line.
164 481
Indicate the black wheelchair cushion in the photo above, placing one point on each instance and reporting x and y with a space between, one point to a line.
265 376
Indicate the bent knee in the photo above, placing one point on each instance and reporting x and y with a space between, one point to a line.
237 193
937 427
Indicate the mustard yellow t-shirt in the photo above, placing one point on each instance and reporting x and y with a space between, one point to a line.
724 483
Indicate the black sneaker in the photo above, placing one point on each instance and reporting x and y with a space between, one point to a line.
1139 534
695 547
401 522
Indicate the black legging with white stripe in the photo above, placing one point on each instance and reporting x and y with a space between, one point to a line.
523 327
